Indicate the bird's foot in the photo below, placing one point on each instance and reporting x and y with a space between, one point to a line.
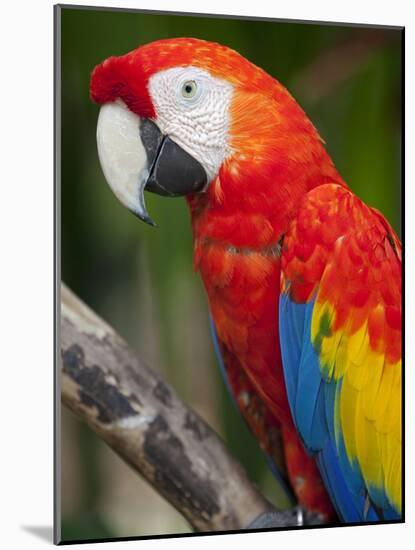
294 517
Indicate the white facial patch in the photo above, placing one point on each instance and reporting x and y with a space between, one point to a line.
121 153
192 108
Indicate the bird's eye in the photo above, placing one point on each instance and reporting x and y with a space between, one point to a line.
189 89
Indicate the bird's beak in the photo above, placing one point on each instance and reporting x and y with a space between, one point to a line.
135 155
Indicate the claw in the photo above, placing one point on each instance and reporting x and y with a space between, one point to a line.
294 517
300 516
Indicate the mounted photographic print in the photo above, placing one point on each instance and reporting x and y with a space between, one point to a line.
229 267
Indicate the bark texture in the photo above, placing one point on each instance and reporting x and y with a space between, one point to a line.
140 416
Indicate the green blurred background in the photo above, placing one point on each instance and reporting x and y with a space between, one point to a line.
140 279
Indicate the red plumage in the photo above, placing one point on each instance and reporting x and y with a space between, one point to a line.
239 226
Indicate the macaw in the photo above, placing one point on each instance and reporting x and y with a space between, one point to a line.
303 279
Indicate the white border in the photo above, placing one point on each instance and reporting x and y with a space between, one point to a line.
27 258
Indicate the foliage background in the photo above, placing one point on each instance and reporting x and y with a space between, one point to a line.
348 79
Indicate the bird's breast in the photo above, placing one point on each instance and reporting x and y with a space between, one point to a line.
242 285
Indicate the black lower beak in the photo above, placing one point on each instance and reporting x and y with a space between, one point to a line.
172 172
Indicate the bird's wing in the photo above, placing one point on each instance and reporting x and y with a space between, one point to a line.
340 332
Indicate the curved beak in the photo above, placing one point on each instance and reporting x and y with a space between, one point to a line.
135 156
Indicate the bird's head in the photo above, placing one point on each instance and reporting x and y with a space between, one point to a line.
185 116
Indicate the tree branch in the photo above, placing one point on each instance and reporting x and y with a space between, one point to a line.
142 419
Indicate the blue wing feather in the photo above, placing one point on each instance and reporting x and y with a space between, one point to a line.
312 402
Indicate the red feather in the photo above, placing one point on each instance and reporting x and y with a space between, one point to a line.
240 224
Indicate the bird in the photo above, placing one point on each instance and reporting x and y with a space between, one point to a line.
303 279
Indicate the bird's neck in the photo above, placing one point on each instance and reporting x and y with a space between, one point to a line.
277 157
251 206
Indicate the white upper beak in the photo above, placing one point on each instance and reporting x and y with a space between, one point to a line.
122 155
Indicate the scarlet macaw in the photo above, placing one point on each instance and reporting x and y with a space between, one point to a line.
303 279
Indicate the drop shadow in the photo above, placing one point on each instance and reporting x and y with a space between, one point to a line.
43 532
